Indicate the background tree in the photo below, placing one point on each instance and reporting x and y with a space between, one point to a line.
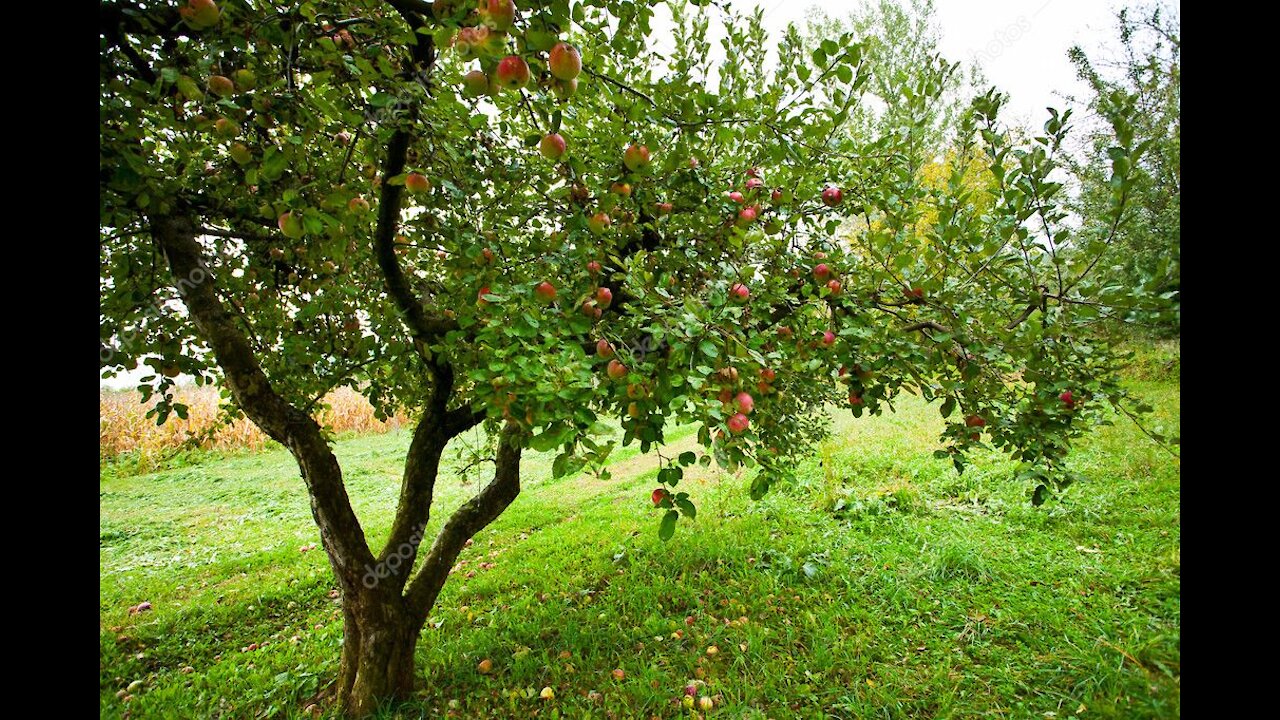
902 38
1145 75
519 217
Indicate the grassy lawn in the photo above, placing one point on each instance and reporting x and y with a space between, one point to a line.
880 585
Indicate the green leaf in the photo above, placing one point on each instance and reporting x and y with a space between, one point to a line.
948 406
668 526
760 485
688 507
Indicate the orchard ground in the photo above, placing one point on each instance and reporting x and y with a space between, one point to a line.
880 584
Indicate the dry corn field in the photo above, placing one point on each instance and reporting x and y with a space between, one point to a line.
125 428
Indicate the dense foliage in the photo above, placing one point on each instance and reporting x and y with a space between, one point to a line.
1141 83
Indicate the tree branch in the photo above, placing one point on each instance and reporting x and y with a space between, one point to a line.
472 517
619 84
925 325
340 530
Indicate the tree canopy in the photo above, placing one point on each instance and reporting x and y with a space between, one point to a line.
520 216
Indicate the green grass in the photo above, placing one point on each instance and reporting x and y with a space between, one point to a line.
879 585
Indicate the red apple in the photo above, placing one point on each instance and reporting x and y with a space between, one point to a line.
832 196
240 153
855 399
821 271
498 14
486 256
604 297
738 423
1068 399
470 42
621 188
358 203
725 395
739 292
636 157
480 296
604 348
737 197
754 183
745 403
768 374
748 215
290 224
664 207
226 127
475 84
776 195
417 183
659 494
593 267
974 421
834 286
819 255
545 291
221 85
552 146
564 61
599 222
564 89
200 14
828 338
616 370
513 72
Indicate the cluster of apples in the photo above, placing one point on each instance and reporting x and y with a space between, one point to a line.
739 401
825 275
751 193
748 196
484 38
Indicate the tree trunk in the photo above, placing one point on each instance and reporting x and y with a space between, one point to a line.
379 638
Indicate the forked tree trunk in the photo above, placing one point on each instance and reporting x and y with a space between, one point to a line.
377 655
382 620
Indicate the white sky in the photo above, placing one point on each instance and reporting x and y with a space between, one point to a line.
1021 46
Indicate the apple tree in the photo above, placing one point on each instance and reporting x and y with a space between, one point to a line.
527 217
